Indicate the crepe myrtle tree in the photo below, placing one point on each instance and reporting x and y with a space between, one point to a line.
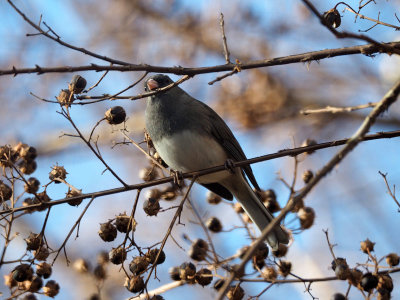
135 258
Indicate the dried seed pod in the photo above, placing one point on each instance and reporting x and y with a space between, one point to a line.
338 261
214 224
34 285
27 167
169 192
152 255
32 185
338 296
392 259
242 251
44 270
235 293
58 172
42 253
151 206
5 192
369 282
272 204
332 18
153 193
148 173
261 252
65 97
174 273
74 193
354 277
81 265
123 225
281 251
198 250
238 208
115 115
218 284
107 232
102 258
7 156
33 241
284 267
25 151
99 272
138 265
299 205
342 271
9 281
269 273
307 176
213 198
77 84
306 216
187 270
309 142
22 272
117 255
29 297
385 282
203 277
367 246
51 289
157 297
135 284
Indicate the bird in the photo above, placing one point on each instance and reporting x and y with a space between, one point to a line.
190 136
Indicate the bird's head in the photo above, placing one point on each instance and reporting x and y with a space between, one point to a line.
156 82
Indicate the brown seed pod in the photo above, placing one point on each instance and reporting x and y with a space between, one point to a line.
281 251
74 193
102 258
148 173
151 206
213 198
34 285
44 270
77 84
32 185
65 97
354 277
307 176
238 208
306 216
235 293
81 265
198 250
272 204
269 273
369 282
332 18
22 272
51 289
99 272
25 151
7 156
27 166
153 193
342 271
107 232
33 241
58 172
115 115
392 259
135 284
284 267
152 255
117 255
187 271
385 282
42 253
123 223
367 246
138 265
9 281
214 224
174 273
203 277
5 192
309 142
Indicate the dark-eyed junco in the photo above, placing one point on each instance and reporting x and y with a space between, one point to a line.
190 136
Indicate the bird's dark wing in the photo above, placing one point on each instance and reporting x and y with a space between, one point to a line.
218 189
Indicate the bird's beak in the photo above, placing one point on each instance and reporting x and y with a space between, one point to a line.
152 84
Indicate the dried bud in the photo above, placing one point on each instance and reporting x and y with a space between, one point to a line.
213 198
198 250
102 258
272 204
123 225
306 216
28 202
51 288
284 267
332 18
281 251
174 273
34 285
42 253
151 207
81 265
29 297
342 271
107 232
169 193
218 284
115 115
58 172
22 272
307 176
25 151
153 193
77 84
238 208
148 173
5 192
134 284
74 193
367 246
43 270
261 252
32 185
214 224
309 142
392 259
65 97
27 166
33 241
138 265
269 273
152 255
338 261
117 255
203 277
299 205
235 293
99 272
9 281
385 283
354 277
338 296
187 270
369 282
7 156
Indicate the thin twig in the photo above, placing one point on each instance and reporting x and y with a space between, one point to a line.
226 50
334 110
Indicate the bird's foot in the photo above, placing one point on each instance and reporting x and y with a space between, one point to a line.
229 165
178 178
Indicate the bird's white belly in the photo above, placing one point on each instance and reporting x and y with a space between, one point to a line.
187 151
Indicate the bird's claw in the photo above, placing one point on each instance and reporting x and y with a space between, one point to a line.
229 165
178 178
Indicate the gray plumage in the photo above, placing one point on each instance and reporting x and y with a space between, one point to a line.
190 136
